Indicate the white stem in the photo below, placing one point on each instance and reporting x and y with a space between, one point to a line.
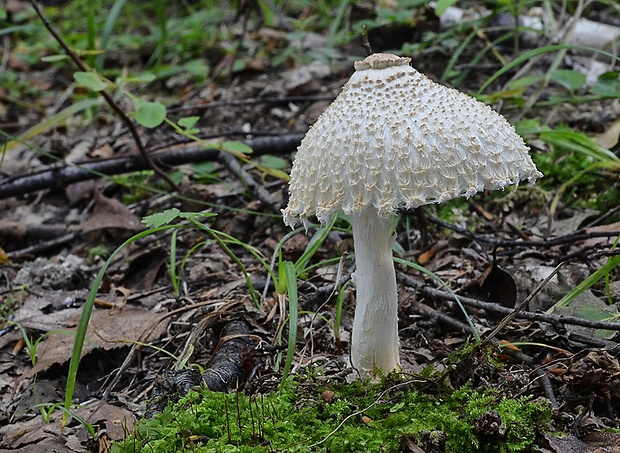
374 341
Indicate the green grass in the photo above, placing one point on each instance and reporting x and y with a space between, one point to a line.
360 418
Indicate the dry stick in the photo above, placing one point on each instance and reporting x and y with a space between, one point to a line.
495 307
429 312
539 371
63 175
248 102
578 235
56 175
259 191
46 245
365 40
108 98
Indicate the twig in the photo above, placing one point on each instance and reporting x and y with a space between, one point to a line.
538 370
259 191
429 312
248 102
108 98
495 307
575 236
365 40
63 175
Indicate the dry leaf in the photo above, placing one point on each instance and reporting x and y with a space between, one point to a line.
111 213
609 138
107 330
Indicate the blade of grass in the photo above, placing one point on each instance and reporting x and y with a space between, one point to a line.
578 142
54 121
80 334
338 18
277 254
456 54
293 314
91 37
587 283
313 246
534 53
174 280
613 166
222 240
108 28
158 55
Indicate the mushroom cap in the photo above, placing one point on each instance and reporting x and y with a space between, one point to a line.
395 139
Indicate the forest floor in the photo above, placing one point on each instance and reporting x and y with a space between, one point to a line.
74 189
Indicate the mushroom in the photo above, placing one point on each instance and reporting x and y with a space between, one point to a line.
393 139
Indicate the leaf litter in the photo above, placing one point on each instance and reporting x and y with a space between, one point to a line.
486 257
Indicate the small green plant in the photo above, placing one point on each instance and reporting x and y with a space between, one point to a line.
47 409
97 252
175 271
576 162
157 223
602 273
31 343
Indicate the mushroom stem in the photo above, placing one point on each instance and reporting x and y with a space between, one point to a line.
374 342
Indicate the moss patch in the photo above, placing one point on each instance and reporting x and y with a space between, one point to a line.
343 418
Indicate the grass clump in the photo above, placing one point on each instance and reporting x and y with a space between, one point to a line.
345 418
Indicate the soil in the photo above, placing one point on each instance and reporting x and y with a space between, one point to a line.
493 250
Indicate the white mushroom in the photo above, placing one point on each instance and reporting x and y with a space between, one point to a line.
395 139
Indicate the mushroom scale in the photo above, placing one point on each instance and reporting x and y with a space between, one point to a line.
395 139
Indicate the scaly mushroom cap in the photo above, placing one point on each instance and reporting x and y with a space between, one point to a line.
395 139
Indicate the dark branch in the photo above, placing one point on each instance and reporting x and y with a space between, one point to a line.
63 175
497 308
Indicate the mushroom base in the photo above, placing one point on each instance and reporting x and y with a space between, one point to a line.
374 341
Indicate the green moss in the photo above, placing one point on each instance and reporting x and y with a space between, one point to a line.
361 418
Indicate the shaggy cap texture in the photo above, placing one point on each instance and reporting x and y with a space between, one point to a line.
395 139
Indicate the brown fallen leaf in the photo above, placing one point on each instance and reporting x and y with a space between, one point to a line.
609 138
494 284
596 371
429 254
37 435
111 213
107 330
587 444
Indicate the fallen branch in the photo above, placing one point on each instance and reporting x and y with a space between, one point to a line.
495 307
58 176
184 109
576 236
259 191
